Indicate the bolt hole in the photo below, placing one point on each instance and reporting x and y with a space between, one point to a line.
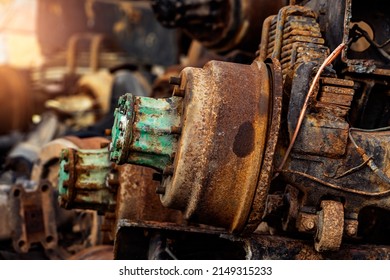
49 239
44 188
21 243
16 193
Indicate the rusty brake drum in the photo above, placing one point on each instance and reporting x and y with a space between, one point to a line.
223 138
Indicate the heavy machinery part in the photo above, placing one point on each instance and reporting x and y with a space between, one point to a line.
330 226
17 100
30 213
213 144
351 177
368 67
24 155
271 247
32 217
83 181
293 37
89 103
98 85
137 201
223 127
219 25
146 131
139 208
325 152
46 168
325 122
352 21
140 219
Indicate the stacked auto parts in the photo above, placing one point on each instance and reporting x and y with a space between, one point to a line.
238 146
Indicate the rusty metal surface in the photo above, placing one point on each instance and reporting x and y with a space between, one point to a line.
349 179
326 164
85 180
140 212
49 154
161 87
224 129
324 130
138 205
340 175
337 20
330 226
293 37
374 56
137 200
264 180
282 248
32 217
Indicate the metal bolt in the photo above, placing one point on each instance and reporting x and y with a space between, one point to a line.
160 189
178 92
175 80
308 224
351 230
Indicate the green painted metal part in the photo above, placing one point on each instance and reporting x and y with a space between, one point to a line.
84 181
146 131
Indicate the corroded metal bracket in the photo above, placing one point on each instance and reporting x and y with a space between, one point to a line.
32 217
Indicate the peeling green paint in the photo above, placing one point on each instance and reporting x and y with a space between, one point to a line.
83 180
146 131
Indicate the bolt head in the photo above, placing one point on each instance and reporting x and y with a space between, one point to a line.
309 224
160 189
351 230
175 80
